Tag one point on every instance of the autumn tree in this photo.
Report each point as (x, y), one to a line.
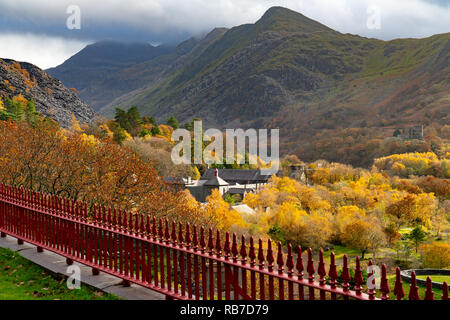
(157, 152)
(362, 236)
(218, 211)
(412, 209)
(289, 223)
(419, 164)
(45, 158)
(440, 187)
(318, 232)
(344, 216)
(391, 232)
(195, 173)
(436, 255)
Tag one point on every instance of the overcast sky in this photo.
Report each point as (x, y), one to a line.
(36, 31)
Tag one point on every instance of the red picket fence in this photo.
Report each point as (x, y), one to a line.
(178, 261)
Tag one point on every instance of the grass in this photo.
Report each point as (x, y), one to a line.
(435, 278)
(437, 292)
(21, 279)
(339, 252)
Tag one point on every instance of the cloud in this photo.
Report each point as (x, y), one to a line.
(398, 19)
(444, 3)
(159, 20)
(163, 21)
(41, 50)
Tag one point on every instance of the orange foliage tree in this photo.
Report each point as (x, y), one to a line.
(45, 158)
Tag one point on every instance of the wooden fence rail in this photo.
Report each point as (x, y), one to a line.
(182, 261)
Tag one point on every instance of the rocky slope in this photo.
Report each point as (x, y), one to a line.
(51, 97)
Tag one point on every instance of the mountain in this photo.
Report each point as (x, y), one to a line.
(286, 64)
(96, 63)
(51, 97)
(290, 72)
(247, 72)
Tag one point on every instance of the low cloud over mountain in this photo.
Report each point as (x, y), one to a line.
(171, 21)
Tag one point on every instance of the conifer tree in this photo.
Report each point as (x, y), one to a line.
(31, 114)
(15, 108)
(173, 122)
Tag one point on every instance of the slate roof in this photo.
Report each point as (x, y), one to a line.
(237, 175)
(216, 182)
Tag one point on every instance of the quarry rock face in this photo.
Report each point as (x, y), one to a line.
(51, 97)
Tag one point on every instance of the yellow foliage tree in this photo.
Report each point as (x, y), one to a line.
(416, 163)
(252, 200)
(104, 127)
(218, 210)
(412, 209)
(436, 255)
(89, 139)
(289, 217)
(75, 127)
(350, 196)
(196, 173)
(284, 184)
(21, 99)
(344, 216)
(166, 131)
(362, 236)
(318, 231)
(128, 136)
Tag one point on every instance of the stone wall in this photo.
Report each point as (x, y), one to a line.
(406, 275)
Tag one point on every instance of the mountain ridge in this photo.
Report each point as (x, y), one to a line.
(99, 61)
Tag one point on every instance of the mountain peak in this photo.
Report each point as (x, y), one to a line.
(280, 10)
(284, 19)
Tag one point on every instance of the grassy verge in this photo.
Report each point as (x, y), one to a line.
(21, 279)
(435, 278)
